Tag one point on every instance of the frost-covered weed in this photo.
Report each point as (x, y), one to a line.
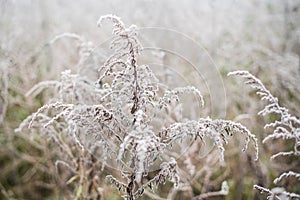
(122, 121)
(287, 127)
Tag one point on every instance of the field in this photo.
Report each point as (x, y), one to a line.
(149, 99)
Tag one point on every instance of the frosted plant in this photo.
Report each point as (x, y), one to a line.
(123, 121)
(224, 191)
(57, 120)
(287, 127)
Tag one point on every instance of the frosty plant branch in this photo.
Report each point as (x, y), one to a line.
(122, 120)
(287, 127)
(132, 46)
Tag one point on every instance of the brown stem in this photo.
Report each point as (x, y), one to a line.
(136, 84)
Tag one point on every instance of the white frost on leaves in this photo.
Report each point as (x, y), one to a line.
(285, 128)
